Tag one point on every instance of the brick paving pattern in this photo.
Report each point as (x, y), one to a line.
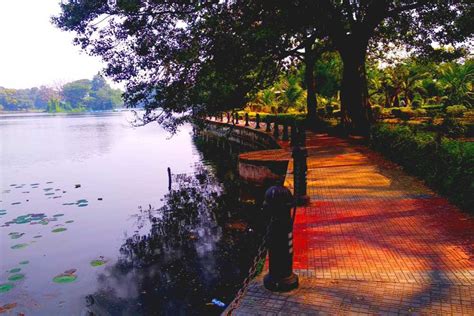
(372, 241)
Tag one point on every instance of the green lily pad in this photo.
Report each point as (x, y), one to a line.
(19, 246)
(51, 193)
(98, 262)
(58, 215)
(37, 236)
(69, 222)
(16, 235)
(24, 262)
(65, 278)
(15, 270)
(5, 287)
(58, 230)
(16, 203)
(69, 203)
(47, 189)
(82, 205)
(16, 277)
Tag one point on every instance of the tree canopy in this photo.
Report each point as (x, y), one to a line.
(205, 57)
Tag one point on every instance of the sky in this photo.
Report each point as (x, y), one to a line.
(33, 52)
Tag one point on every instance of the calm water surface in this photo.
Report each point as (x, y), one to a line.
(88, 226)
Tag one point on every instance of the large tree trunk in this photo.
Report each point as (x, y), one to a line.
(311, 101)
(355, 109)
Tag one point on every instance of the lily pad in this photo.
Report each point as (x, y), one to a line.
(19, 246)
(65, 278)
(16, 277)
(58, 230)
(16, 235)
(98, 262)
(82, 201)
(16, 203)
(47, 189)
(69, 222)
(24, 262)
(15, 270)
(58, 215)
(50, 193)
(37, 236)
(69, 203)
(6, 287)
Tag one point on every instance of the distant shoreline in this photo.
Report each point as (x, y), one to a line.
(45, 112)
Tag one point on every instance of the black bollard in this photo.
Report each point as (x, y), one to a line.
(276, 130)
(257, 121)
(300, 167)
(278, 204)
(285, 132)
(247, 119)
(268, 127)
(228, 117)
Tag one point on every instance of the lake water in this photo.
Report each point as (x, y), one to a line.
(88, 226)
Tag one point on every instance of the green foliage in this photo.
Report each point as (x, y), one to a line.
(447, 167)
(76, 96)
(456, 110)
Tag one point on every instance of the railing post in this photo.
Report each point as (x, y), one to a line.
(293, 135)
(236, 118)
(276, 130)
(278, 204)
(268, 127)
(228, 117)
(300, 167)
(247, 119)
(285, 132)
(257, 121)
(222, 117)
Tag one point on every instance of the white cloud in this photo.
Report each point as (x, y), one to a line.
(34, 52)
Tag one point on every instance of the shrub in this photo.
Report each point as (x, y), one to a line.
(456, 110)
(420, 112)
(403, 113)
(447, 167)
(377, 111)
(452, 127)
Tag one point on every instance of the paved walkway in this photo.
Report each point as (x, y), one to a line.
(372, 241)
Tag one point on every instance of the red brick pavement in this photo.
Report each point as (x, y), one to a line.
(372, 241)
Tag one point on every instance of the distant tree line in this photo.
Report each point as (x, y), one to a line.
(77, 96)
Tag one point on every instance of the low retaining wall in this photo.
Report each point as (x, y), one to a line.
(265, 163)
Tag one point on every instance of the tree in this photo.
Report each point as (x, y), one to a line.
(210, 56)
(75, 92)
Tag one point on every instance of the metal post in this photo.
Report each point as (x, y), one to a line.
(300, 167)
(278, 203)
(293, 135)
(285, 132)
(257, 121)
(276, 130)
(268, 127)
(247, 119)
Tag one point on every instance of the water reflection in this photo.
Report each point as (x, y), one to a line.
(199, 246)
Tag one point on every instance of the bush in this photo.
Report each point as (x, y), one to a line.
(377, 111)
(452, 127)
(403, 113)
(456, 110)
(420, 112)
(447, 167)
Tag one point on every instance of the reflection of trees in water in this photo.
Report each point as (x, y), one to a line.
(193, 253)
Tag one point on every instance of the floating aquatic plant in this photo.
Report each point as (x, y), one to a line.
(99, 262)
(19, 246)
(37, 236)
(5, 287)
(16, 277)
(82, 205)
(69, 203)
(16, 203)
(67, 276)
(15, 270)
(69, 222)
(24, 262)
(47, 189)
(58, 215)
(16, 235)
(58, 230)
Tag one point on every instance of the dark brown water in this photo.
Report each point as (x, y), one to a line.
(89, 227)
